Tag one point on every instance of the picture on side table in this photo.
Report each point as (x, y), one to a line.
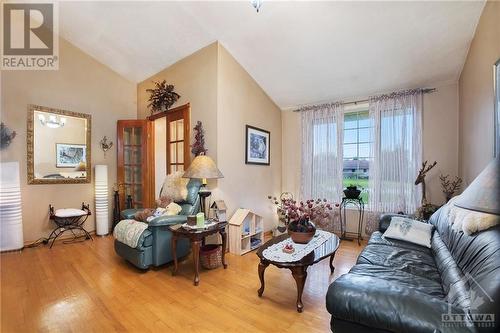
(258, 146)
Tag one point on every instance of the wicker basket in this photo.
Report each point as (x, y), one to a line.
(211, 256)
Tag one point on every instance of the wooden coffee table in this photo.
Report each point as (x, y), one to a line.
(298, 268)
(196, 236)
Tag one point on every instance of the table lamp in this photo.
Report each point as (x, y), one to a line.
(203, 167)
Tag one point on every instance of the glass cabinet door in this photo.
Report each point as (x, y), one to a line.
(178, 133)
(133, 164)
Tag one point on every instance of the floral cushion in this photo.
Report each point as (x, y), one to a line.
(408, 230)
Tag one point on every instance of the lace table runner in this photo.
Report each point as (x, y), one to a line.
(194, 227)
(275, 252)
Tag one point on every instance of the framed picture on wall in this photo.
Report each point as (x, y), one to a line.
(69, 155)
(496, 83)
(258, 146)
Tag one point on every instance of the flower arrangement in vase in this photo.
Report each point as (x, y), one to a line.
(298, 216)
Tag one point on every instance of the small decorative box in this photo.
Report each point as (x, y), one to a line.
(191, 220)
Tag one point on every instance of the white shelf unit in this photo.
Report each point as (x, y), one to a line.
(245, 228)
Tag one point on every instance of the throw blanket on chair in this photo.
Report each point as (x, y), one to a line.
(129, 231)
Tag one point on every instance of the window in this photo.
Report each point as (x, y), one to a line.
(357, 145)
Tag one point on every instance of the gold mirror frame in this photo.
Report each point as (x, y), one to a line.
(30, 146)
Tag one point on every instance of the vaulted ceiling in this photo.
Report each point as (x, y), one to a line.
(299, 52)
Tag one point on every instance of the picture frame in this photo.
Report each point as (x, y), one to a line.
(257, 146)
(496, 87)
(70, 155)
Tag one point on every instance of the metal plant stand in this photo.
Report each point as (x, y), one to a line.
(360, 205)
(70, 223)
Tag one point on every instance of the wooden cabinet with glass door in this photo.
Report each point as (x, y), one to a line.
(136, 162)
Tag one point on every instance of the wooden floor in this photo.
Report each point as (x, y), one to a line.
(87, 287)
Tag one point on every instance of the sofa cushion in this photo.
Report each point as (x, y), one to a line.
(420, 263)
(191, 195)
(409, 230)
(387, 305)
(377, 238)
(422, 284)
(477, 259)
(175, 187)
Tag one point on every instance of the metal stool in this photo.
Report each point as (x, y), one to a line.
(69, 223)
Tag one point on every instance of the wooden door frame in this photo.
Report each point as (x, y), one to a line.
(186, 115)
(147, 163)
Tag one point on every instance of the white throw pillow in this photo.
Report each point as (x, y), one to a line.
(175, 187)
(408, 230)
(69, 212)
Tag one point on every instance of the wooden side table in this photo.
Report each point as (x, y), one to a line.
(196, 237)
(298, 268)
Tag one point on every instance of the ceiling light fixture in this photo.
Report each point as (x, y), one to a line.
(256, 4)
(52, 122)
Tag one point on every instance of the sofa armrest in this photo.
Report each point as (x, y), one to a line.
(385, 220)
(167, 220)
(129, 214)
(387, 306)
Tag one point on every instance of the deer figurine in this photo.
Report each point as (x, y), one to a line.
(421, 178)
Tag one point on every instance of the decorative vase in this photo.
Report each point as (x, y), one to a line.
(301, 231)
(352, 192)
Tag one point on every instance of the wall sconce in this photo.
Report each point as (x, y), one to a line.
(105, 145)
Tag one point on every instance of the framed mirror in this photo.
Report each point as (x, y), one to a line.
(58, 146)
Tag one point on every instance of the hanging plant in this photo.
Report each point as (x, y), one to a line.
(198, 147)
(6, 136)
(162, 97)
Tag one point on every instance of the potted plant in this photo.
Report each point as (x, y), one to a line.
(162, 97)
(352, 192)
(299, 216)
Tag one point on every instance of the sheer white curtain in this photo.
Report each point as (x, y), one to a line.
(322, 139)
(396, 152)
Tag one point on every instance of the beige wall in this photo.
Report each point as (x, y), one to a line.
(476, 94)
(242, 102)
(83, 85)
(225, 98)
(195, 79)
(440, 137)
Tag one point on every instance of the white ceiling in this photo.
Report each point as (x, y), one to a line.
(299, 52)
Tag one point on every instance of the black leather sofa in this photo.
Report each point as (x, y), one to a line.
(397, 286)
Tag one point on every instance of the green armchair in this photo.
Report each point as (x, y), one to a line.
(154, 247)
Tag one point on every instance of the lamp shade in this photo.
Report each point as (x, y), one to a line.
(101, 200)
(203, 167)
(11, 220)
(483, 194)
